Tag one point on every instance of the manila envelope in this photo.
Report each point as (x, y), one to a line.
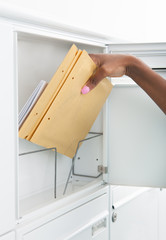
(71, 114)
(49, 94)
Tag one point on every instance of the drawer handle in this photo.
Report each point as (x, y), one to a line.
(99, 226)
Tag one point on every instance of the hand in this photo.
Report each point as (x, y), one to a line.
(117, 65)
(108, 65)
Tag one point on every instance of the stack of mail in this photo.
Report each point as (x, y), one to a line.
(31, 102)
(63, 116)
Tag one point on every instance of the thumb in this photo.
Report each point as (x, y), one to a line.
(94, 80)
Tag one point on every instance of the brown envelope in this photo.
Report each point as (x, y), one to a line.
(71, 114)
(41, 107)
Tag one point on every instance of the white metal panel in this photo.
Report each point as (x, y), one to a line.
(136, 126)
(9, 236)
(59, 208)
(162, 214)
(86, 234)
(137, 139)
(153, 54)
(124, 194)
(7, 140)
(97, 231)
(136, 219)
(68, 224)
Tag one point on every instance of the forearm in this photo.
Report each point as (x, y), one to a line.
(152, 83)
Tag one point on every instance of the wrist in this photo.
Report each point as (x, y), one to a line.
(132, 66)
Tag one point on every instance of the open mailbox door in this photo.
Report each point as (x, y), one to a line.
(136, 127)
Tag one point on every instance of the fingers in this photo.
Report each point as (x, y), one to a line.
(94, 80)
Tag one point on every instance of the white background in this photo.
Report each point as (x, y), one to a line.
(130, 20)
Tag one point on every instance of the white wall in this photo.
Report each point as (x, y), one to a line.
(137, 21)
(142, 20)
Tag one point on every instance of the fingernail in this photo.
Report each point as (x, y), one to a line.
(85, 90)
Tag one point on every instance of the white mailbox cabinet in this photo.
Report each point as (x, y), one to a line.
(130, 151)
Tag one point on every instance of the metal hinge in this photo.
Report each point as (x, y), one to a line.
(102, 169)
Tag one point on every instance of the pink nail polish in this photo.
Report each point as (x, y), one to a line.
(85, 89)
